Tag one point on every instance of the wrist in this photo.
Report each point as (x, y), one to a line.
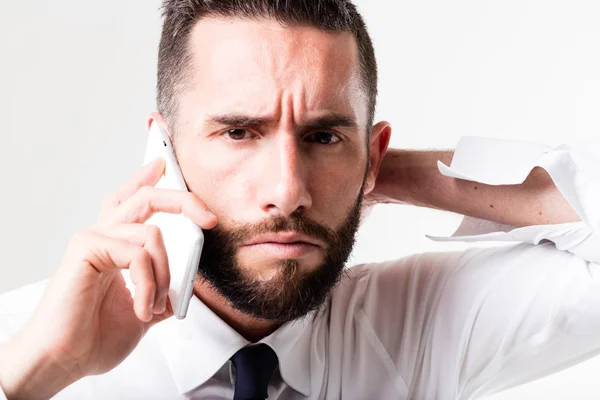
(412, 177)
(29, 374)
(400, 178)
(390, 186)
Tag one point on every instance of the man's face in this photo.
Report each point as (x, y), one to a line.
(272, 137)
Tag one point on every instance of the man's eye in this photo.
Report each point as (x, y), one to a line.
(324, 138)
(236, 134)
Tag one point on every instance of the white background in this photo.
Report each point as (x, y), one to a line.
(77, 81)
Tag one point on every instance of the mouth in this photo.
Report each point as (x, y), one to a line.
(284, 245)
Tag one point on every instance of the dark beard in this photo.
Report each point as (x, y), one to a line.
(292, 294)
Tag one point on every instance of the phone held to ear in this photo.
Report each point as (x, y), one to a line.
(182, 237)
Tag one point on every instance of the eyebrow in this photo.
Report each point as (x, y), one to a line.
(331, 120)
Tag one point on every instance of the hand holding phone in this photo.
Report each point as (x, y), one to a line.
(182, 237)
(87, 307)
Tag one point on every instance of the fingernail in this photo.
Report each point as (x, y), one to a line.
(150, 312)
(161, 306)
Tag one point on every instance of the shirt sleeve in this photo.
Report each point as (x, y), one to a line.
(575, 170)
(468, 324)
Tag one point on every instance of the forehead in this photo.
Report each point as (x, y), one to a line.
(257, 66)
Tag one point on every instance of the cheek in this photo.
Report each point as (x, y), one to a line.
(216, 182)
(335, 189)
(228, 182)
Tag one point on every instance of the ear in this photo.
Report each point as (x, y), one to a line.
(158, 118)
(380, 139)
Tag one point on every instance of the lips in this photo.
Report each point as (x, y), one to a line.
(290, 250)
(283, 238)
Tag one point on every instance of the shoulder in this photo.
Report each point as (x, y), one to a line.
(394, 295)
(382, 308)
(17, 306)
(379, 281)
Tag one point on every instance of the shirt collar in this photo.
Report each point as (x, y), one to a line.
(291, 343)
(196, 347)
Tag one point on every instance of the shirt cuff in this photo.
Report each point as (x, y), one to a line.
(2, 395)
(574, 168)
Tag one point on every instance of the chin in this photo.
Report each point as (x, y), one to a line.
(268, 270)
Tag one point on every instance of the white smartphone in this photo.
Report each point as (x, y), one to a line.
(182, 237)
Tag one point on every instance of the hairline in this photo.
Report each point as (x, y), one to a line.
(186, 72)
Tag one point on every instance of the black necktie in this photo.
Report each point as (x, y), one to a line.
(254, 366)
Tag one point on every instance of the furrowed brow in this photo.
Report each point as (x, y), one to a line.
(329, 122)
(325, 122)
(239, 120)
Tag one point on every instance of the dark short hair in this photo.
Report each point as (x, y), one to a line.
(180, 16)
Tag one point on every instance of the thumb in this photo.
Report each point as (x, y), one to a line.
(157, 318)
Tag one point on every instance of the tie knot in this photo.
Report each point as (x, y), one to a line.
(254, 366)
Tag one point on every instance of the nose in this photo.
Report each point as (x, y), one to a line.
(284, 188)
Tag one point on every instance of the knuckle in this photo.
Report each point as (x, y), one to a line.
(155, 234)
(81, 237)
(144, 256)
(110, 202)
(84, 246)
(143, 201)
(144, 210)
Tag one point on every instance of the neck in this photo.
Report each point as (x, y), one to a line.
(252, 329)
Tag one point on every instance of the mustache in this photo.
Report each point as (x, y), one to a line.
(295, 222)
(293, 293)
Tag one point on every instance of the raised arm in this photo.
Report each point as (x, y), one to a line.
(477, 322)
(412, 176)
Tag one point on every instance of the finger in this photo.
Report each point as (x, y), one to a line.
(148, 175)
(105, 254)
(151, 239)
(150, 200)
(142, 275)
(168, 313)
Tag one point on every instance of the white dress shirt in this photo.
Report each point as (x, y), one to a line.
(456, 325)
